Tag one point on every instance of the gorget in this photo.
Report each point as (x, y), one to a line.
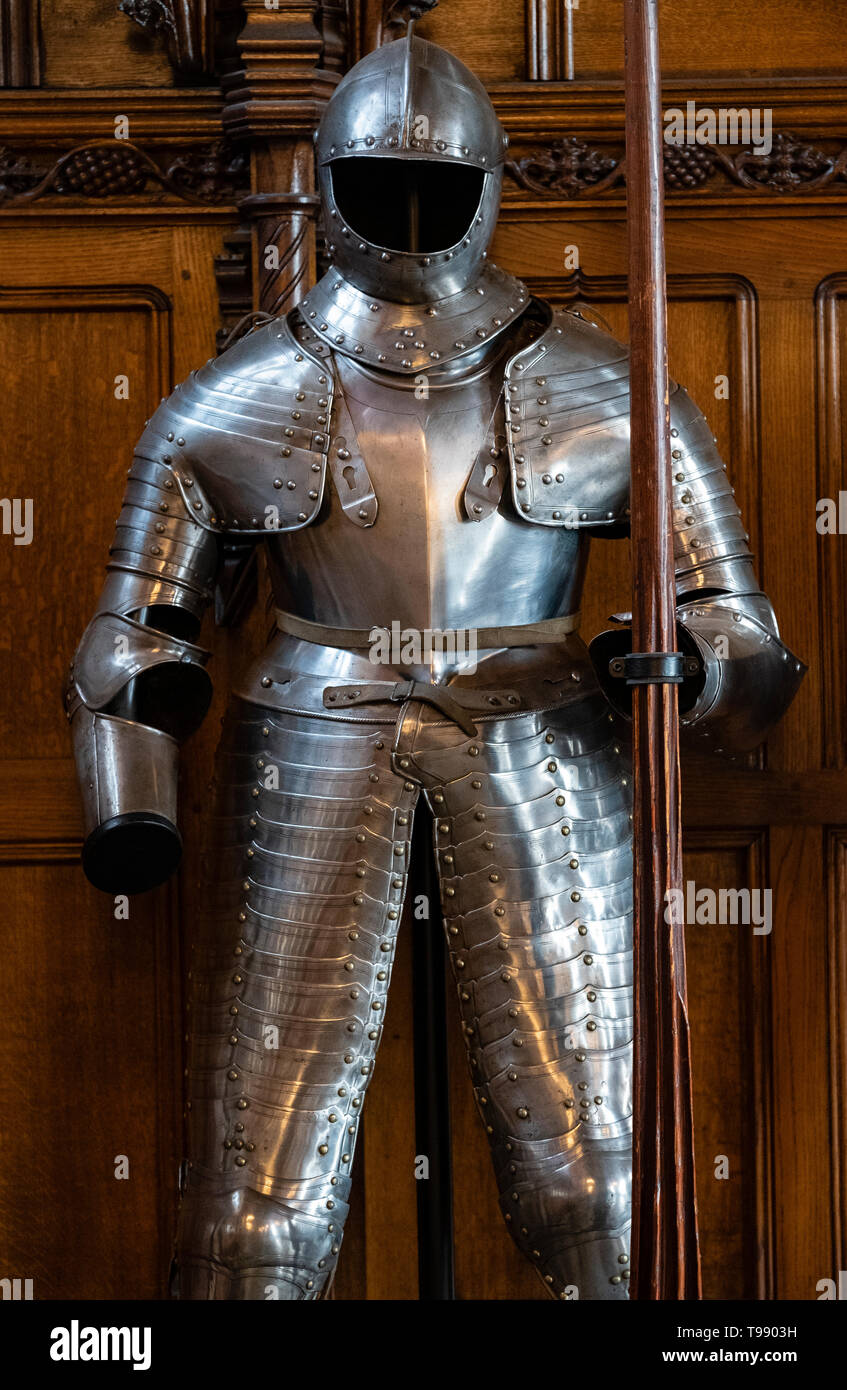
(409, 338)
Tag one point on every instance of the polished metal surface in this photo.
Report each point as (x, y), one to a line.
(567, 426)
(409, 338)
(751, 677)
(412, 103)
(244, 440)
(114, 649)
(124, 768)
(422, 564)
(533, 845)
(313, 821)
(290, 983)
(420, 444)
(138, 684)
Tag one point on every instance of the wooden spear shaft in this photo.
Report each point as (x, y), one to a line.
(665, 1256)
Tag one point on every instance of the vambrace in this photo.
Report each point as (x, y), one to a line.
(740, 677)
(138, 685)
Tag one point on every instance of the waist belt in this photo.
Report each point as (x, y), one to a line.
(457, 703)
(549, 630)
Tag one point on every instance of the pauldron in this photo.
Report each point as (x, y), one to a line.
(246, 437)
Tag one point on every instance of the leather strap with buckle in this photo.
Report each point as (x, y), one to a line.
(455, 704)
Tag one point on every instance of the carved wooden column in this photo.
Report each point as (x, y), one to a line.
(284, 240)
(289, 65)
(20, 43)
(549, 40)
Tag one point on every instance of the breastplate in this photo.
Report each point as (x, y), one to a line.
(423, 563)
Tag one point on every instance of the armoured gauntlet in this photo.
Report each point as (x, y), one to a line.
(138, 684)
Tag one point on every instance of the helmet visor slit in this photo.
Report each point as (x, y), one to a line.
(407, 205)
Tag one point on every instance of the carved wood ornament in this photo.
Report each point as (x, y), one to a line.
(570, 168)
(197, 33)
(118, 168)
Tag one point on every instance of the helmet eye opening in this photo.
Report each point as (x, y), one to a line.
(407, 205)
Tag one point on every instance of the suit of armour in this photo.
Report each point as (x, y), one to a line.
(423, 448)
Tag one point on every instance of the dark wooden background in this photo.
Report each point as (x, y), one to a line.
(126, 262)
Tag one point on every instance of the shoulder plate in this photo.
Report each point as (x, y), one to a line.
(567, 426)
(247, 436)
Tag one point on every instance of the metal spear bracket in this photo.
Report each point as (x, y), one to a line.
(653, 668)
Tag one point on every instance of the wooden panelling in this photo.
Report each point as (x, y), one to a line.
(89, 1071)
(65, 350)
(20, 43)
(92, 1052)
(836, 868)
(780, 37)
(800, 1063)
(89, 43)
(495, 40)
(118, 284)
(728, 993)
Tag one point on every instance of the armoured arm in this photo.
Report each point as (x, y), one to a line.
(137, 683)
(238, 450)
(741, 677)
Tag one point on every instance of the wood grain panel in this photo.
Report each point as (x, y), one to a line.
(89, 1071)
(837, 990)
(775, 38)
(64, 444)
(800, 1063)
(491, 39)
(728, 985)
(89, 43)
(95, 1004)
